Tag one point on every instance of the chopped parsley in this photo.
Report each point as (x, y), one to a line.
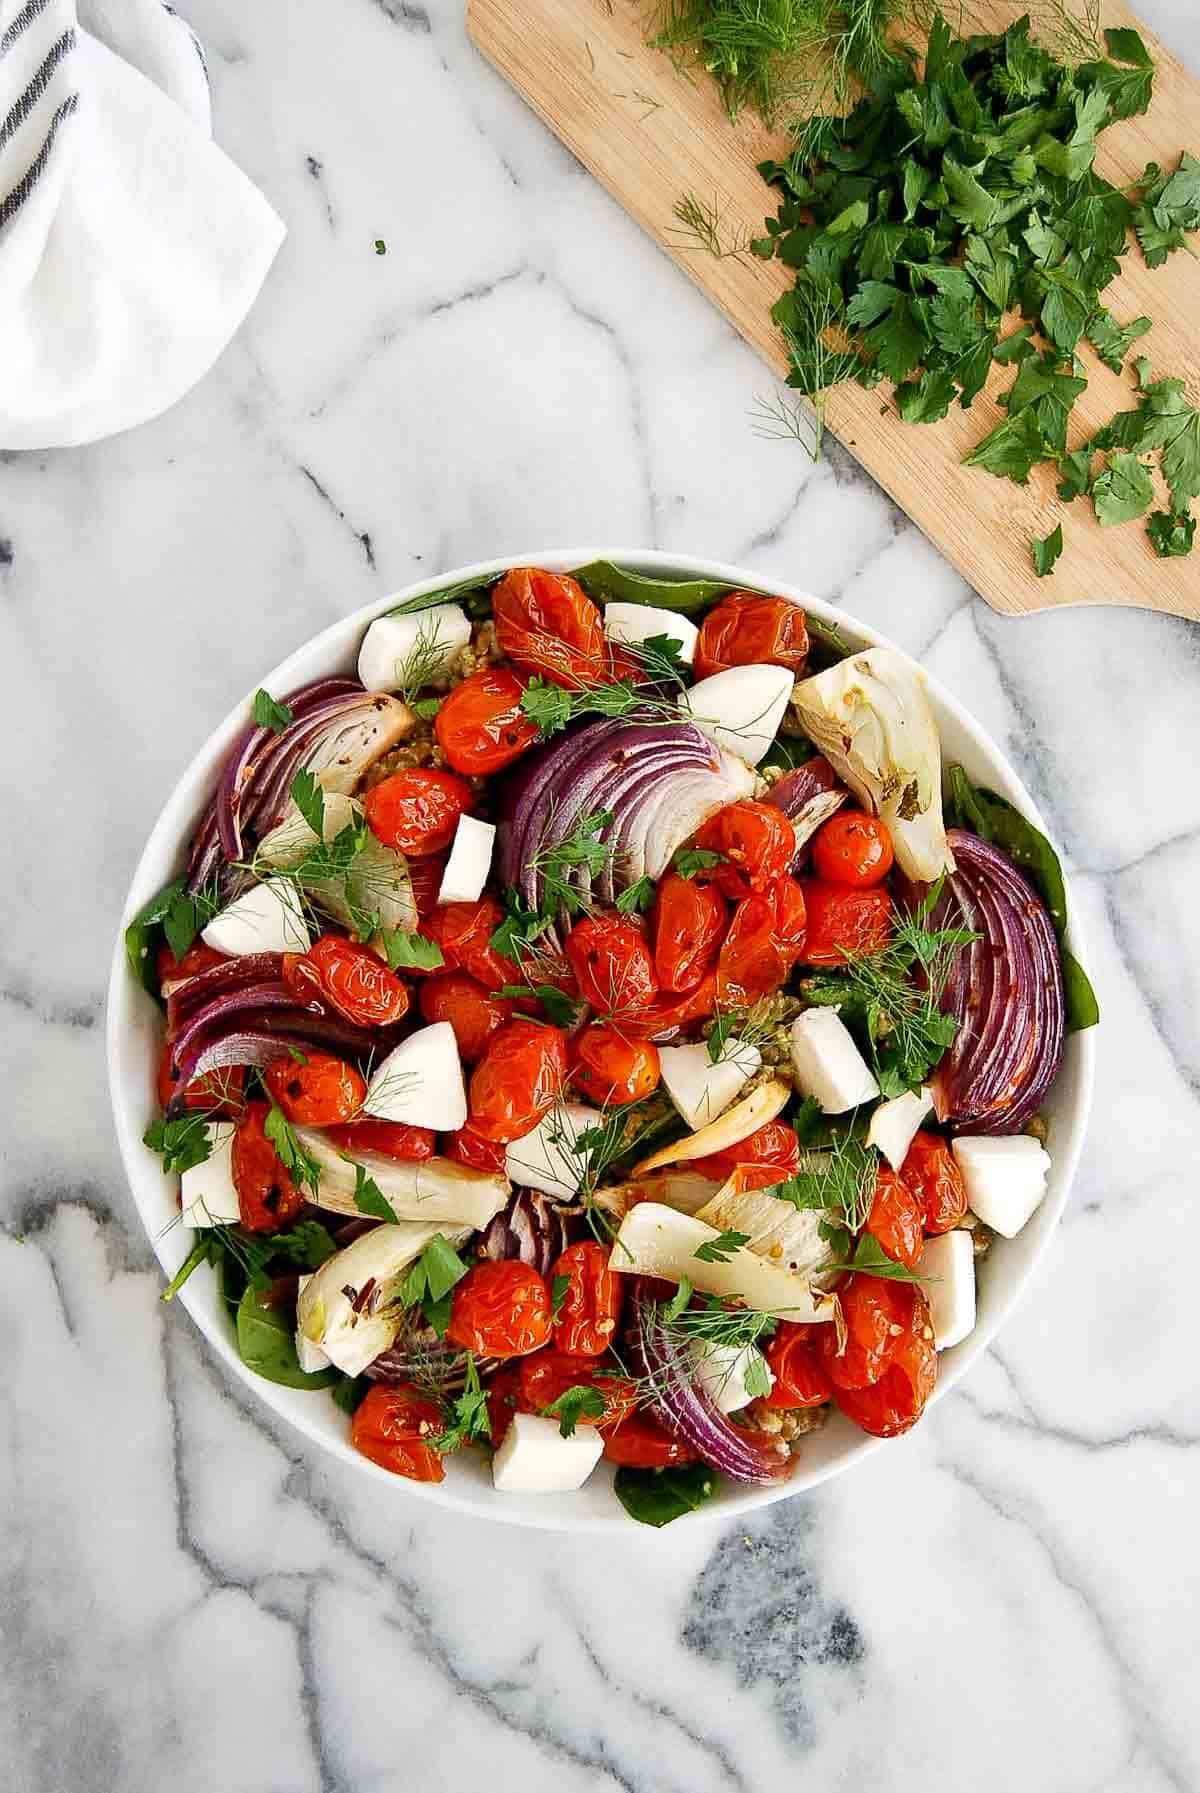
(182, 1143)
(370, 1199)
(410, 951)
(269, 713)
(690, 860)
(300, 1164)
(575, 1403)
(722, 1248)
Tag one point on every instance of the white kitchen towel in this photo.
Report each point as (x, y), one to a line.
(131, 248)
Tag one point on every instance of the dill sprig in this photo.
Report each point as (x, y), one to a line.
(703, 226)
(895, 996)
(557, 863)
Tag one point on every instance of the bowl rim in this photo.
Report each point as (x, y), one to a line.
(165, 839)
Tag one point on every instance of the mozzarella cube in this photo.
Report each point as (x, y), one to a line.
(397, 648)
(632, 623)
(946, 1271)
(421, 1082)
(1005, 1178)
(548, 1159)
(721, 1371)
(828, 1064)
(469, 863)
(533, 1457)
(311, 1356)
(741, 708)
(207, 1193)
(895, 1123)
(701, 1090)
(267, 918)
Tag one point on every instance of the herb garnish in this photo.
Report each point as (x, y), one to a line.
(410, 950)
(722, 1248)
(430, 1280)
(690, 860)
(575, 1403)
(637, 897)
(183, 1143)
(370, 1199)
(269, 713)
(469, 1419)
(300, 1164)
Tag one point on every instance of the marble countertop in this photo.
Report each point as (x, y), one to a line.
(189, 1597)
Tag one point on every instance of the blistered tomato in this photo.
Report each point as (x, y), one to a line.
(897, 1400)
(686, 927)
(546, 1377)
(464, 933)
(320, 1091)
(221, 1092)
(471, 1149)
(475, 1016)
(390, 1139)
(481, 726)
(417, 811)
(878, 1313)
(547, 624)
(585, 1322)
(852, 848)
(393, 1425)
(642, 1442)
(350, 978)
(895, 1219)
(757, 845)
(746, 629)
(196, 959)
(769, 1155)
(267, 1197)
(612, 964)
(609, 1067)
(500, 1310)
(517, 1081)
(931, 1171)
(844, 924)
(800, 1378)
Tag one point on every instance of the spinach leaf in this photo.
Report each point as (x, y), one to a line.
(995, 820)
(474, 594)
(604, 582)
(350, 1392)
(656, 1496)
(142, 934)
(266, 1344)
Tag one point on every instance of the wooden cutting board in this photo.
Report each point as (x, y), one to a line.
(651, 133)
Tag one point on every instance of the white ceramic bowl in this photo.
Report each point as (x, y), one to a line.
(134, 1034)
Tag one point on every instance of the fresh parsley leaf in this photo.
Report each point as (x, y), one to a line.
(520, 929)
(182, 1143)
(637, 897)
(547, 704)
(679, 1300)
(558, 1294)
(1047, 550)
(1122, 491)
(756, 1376)
(1169, 209)
(1076, 471)
(1171, 533)
(1112, 341)
(299, 1163)
(722, 1029)
(309, 798)
(1012, 449)
(307, 1244)
(690, 860)
(269, 713)
(722, 1248)
(410, 951)
(425, 707)
(469, 1418)
(870, 1259)
(575, 1403)
(660, 659)
(432, 1276)
(370, 1199)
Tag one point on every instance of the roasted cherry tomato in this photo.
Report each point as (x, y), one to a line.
(877, 1313)
(668, 1013)
(852, 848)
(769, 1155)
(686, 927)
(895, 1219)
(464, 933)
(196, 959)
(393, 1425)
(426, 875)
(757, 844)
(547, 624)
(500, 1310)
(350, 978)
(642, 1442)
(610, 1067)
(475, 1016)
(612, 964)
(587, 1315)
(417, 811)
(321, 1092)
(267, 1197)
(471, 1149)
(517, 1081)
(800, 1378)
(931, 1172)
(390, 1139)
(220, 1092)
(481, 726)
(765, 938)
(543, 1379)
(745, 629)
(896, 1402)
(844, 924)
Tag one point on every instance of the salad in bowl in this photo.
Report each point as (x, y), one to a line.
(607, 1037)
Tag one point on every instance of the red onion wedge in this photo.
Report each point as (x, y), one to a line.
(808, 796)
(1006, 992)
(664, 1360)
(659, 780)
(532, 1228)
(260, 1035)
(337, 731)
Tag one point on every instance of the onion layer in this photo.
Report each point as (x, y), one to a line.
(1005, 991)
(683, 1406)
(808, 796)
